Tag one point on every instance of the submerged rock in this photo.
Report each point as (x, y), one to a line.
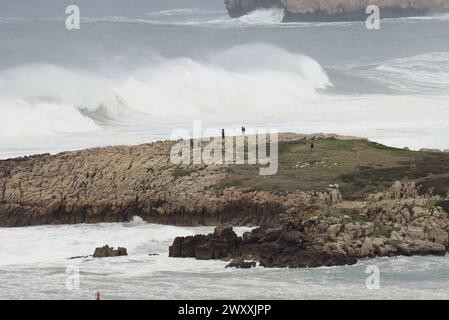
(106, 251)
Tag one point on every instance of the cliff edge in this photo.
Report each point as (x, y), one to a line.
(338, 10)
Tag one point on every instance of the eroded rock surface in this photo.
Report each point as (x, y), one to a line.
(399, 221)
(107, 251)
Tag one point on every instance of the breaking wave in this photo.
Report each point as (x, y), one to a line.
(44, 99)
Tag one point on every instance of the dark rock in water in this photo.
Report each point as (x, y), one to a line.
(241, 263)
(106, 251)
(289, 246)
(77, 257)
(276, 247)
(218, 245)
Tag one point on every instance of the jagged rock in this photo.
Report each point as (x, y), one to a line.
(106, 251)
(218, 245)
(334, 194)
(402, 190)
(241, 264)
(367, 249)
(424, 248)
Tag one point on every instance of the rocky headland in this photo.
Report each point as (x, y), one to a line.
(345, 199)
(399, 221)
(338, 10)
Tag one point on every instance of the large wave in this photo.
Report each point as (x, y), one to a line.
(244, 80)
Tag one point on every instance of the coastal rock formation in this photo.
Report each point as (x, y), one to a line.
(354, 200)
(107, 251)
(399, 221)
(338, 10)
(114, 184)
(221, 244)
(320, 240)
(279, 247)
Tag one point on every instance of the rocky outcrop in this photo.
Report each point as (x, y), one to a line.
(114, 184)
(314, 242)
(278, 247)
(107, 251)
(339, 10)
(400, 221)
(221, 244)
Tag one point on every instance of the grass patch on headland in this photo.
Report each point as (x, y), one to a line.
(360, 167)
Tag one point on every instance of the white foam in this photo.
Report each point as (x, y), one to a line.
(44, 99)
(263, 17)
(422, 74)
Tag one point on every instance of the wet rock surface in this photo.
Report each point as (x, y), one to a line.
(107, 251)
(400, 221)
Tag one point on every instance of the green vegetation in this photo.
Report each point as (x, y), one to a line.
(360, 167)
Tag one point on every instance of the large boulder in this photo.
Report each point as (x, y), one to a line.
(218, 245)
(107, 251)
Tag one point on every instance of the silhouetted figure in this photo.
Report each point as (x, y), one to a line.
(243, 130)
(222, 133)
(98, 296)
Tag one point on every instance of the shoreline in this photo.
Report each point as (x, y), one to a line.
(345, 199)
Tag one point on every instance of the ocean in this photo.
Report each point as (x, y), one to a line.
(136, 70)
(34, 264)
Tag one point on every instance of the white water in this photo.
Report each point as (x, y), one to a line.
(46, 99)
(33, 265)
(234, 86)
(133, 73)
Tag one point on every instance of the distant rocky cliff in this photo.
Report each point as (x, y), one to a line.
(338, 10)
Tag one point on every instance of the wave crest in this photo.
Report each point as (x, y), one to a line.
(244, 80)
